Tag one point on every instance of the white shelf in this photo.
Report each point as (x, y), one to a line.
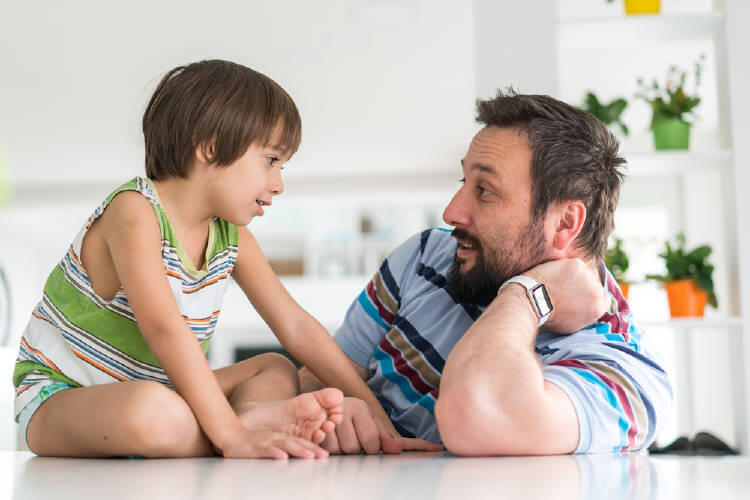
(628, 31)
(660, 163)
(730, 322)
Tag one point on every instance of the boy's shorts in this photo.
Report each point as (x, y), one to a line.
(32, 406)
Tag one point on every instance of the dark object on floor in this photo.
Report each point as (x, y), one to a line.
(680, 446)
(703, 444)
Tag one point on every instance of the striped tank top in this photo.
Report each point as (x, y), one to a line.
(77, 337)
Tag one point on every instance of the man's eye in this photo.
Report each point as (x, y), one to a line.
(483, 191)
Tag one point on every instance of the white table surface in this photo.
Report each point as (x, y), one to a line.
(408, 476)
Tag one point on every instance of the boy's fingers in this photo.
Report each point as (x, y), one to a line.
(415, 444)
(273, 452)
(302, 448)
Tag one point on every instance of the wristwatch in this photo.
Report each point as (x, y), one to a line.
(537, 294)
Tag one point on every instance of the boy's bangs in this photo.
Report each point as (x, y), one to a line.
(286, 133)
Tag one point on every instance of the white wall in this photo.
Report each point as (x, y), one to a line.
(380, 84)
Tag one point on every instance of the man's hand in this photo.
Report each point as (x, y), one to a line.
(362, 431)
(578, 298)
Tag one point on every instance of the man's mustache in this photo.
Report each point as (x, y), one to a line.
(462, 234)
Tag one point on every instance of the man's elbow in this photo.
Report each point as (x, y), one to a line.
(470, 425)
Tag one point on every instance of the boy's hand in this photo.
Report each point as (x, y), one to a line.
(244, 443)
(361, 431)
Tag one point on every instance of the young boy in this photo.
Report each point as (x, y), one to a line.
(127, 315)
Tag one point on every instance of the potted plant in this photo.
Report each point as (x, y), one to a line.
(608, 113)
(671, 105)
(617, 262)
(689, 278)
(641, 6)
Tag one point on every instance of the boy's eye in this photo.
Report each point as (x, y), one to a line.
(272, 159)
(462, 180)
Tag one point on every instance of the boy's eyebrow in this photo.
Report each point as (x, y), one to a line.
(278, 148)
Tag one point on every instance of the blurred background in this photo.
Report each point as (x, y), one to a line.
(386, 91)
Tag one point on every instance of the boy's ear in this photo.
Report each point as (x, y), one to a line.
(205, 152)
(569, 217)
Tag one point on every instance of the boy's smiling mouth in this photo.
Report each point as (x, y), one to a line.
(261, 204)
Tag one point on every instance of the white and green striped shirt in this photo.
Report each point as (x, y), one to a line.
(77, 337)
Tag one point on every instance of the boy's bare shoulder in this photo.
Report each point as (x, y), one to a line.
(129, 209)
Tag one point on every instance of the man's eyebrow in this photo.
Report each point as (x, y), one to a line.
(482, 168)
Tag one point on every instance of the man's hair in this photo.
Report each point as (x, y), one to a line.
(216, 104)
(574, 157)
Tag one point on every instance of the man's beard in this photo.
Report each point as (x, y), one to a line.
(479, 284)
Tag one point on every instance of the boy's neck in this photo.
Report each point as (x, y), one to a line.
(183, 201)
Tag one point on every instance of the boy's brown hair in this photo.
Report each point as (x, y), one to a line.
(221, 107)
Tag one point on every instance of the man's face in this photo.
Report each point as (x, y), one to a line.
(491, 212)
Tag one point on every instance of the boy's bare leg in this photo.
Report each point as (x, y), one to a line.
(148, 419)
(263, 391)
(125, 418)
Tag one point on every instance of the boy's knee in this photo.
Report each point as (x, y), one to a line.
(160, 421)
(274, 362)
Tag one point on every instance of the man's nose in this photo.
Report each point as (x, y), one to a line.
(456, 213)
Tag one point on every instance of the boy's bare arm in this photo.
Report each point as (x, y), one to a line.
(301, 334)
(132, 236)
(309, 382)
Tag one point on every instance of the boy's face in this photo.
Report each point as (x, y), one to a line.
(241, 191)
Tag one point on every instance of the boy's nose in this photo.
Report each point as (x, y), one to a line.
(276, 186)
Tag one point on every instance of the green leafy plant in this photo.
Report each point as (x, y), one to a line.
(693, 264)
(607, 113)
(617, 261)
(672, 101)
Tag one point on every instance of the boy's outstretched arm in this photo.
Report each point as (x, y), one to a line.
(301, 334)
(132, 236)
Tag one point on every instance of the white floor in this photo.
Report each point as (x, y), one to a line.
(410, 476)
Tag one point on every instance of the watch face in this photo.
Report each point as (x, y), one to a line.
(541, 299)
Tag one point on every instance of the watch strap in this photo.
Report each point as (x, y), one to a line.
(536, 292)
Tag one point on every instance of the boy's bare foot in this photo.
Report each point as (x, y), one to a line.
(310, 416)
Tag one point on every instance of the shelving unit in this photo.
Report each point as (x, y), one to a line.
(675, 163)
(702, 215)
(639, 30)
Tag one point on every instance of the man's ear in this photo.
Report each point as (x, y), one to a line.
(569, 217)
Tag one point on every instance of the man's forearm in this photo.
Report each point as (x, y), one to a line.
(493, 397)
(494, 365)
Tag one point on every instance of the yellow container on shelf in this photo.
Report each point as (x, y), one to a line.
(642, 6)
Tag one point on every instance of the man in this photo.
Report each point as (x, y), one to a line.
(508, 335)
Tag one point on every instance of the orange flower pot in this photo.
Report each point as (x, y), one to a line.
(686, 299)
(642, 6)
(625, 287)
